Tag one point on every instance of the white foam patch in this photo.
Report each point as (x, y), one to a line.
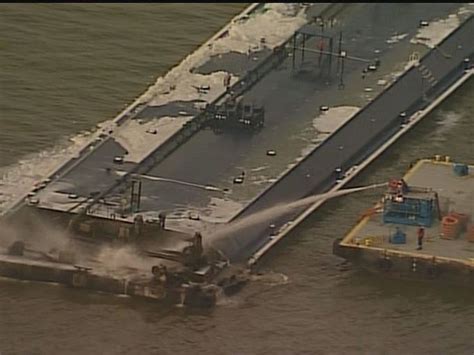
(51, 198)
(260, 168)
(329, 121)
(408, 65)
(326, 123)
(436, 31)
(186, 86)
(276, 24)
(133, 136)
(465, 10)
(220, 210)
(306, 150)
(259, 179)
(448, 120)
(396, 38)
(442, 29)
(185, 225)
(270, 278)
(395, 75)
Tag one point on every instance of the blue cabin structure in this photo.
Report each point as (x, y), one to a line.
(410, 205)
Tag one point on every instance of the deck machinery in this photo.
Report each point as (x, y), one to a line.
(409, 205)
(234, 113)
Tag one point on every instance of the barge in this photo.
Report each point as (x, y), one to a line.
(421, 229)
(211, 144)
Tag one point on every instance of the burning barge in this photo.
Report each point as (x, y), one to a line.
(187, 155)
(188, 278)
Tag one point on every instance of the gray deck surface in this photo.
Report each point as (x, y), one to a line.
(456, 194)
(313, 174)
(291, 102)
(210, 159)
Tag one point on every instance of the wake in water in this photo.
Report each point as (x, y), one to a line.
(274, 212)
(17, 179)
(270, 278)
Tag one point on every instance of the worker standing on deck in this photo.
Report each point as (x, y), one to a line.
(197, 244)
(162, 219)
(421, 235)
(227, 79)
(321, 50)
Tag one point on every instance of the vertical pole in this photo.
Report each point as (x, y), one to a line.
(136, 193)
(330, 56)
(320, 50)
(303, 46)
(321, 39)
(132, 195)
(339, 52)
(294, 50)
(341, 83)
(139, 194)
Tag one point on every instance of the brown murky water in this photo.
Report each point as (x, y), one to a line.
(65, 68)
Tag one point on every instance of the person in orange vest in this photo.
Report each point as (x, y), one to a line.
(421, 235)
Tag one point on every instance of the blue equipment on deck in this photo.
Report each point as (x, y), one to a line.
(461, 169)
(398, 237)
(409, 206)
